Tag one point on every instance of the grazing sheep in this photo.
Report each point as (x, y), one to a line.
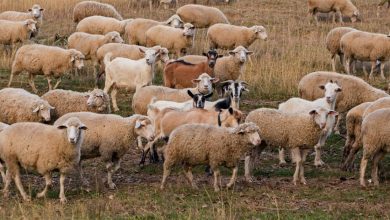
(110, 137)
(16, 31)
(35, 13)
(174, 39)
(123, 73)
(333, 43)
(43, 148)
(102, 25)
(18, 105)
(136, 30)
(66, 101)
(365, 46)
(235, 90)
(143, 96)
(298, 132)
(45, 60)
(201, 16)
(198, 101)
(209, 145)
(227, 36)
(375, 133)
(90, 8)
(340, 7)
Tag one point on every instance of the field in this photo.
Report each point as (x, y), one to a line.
(295, 47)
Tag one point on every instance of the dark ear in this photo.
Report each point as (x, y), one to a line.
(322, 87)
(42, 9)
(29, 10)
(333, 113)
(313, 112)
(208, 96)
(339, 89)
(204, 54)
(331, 81)
(141, 50)
(232, 53)
(190, 93)
(231, 110)
(61, 126)
(83, 127)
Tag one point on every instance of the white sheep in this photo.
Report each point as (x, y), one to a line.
(201, 16)
(90, 8)
(42, 148)
(196, 144)
(16, 31)
(174, 39)
(227, 36)
(102, 25)
(44, 60)
(340, 7)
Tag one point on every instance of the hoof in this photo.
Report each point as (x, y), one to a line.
(63, 201)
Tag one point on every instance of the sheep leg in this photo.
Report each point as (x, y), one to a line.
(19, 185)
(31, 82)
(84, 182)
(340, 17)
(62, 188)
(189, 176)
(111, 168)
(374, 170)
(282, 160)
(7, 183)
(301, 169)
(114, 92)
(337, 125)
(248, 169)
(233, 178)
(317, 160)
(216, 179)
(47, 185)
(363, 166)
(348, 164)
(167, 171)
(341, 56)
(11, 77)
(373, 65)
(333, 58)
(296, 155)
(2, 172)
(57, 83)
(382, 67)
(347, 65)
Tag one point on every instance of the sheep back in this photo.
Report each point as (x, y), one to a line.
(90, 8)
(201, 16)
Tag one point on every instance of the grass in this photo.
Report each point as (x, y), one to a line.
(294, 48)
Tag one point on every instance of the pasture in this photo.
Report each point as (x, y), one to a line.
(295, 47)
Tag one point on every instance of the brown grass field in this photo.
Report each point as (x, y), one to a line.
(294, 48)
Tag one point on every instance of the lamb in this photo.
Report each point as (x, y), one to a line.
(341, 7)
(35, 13)
(201, 16)
(375, 132)
(43, 148)
(110, 137)
(18, 105)
(90, 8)
(198, 101)
(45, 60)
(174, 39)
(16, 31)
(66, 101)
(102, 25)
(136, 30)
(365, 46)
(143, 96)
(298, 132)
(123, 73)
(209, 145)
(227, 36)
(333, 43)
(88, 44)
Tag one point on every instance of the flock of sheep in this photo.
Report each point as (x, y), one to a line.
(61, 128)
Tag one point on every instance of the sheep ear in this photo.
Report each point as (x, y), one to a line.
(334, 113)
(190, 93)
(42, 9)
(322, 87)
(195, 81)
(138, 124)
(52, 108)
(83, 127)
(249, 52)
(232, 53)
(36, 109)
(30, 10)
(339, 89)
(63, 126)
(313, 112)
(141, 50)
(214, 80)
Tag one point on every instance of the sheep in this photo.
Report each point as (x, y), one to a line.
(340, 7)
(375, 132)
(227, 36)
(102, 25)
(235, 90)
(90, 8)
(365, 46)
(298, 132)
(178, 74)
(143, 96)
(43, 148)
(110, 137)
(136, 30)
(66, 101)
(354, 120)
(16, 31)
(174, 39)
(198, 101)
(209, 145)
(45, 60)
(18, 105)
(333, 43)
(201, 16)
(123, 73)
(3, 126)
(88, 44)
(35, 13)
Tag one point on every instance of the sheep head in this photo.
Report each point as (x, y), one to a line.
(74, 128)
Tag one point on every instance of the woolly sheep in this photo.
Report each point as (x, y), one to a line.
(66, 101)
(333, 43)
(136, 30)
(209, 145)
(45, 60)
(18, 105)
(298, 132)
(174, 39)
(227, 36)
(43, 148)
(102, 25)
(110, 137)
(365, 46)
(340, 7)
(16, 31)
(375, 138)
(90, 8)
(201, 16)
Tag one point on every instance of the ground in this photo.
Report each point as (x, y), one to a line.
(295, 47)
